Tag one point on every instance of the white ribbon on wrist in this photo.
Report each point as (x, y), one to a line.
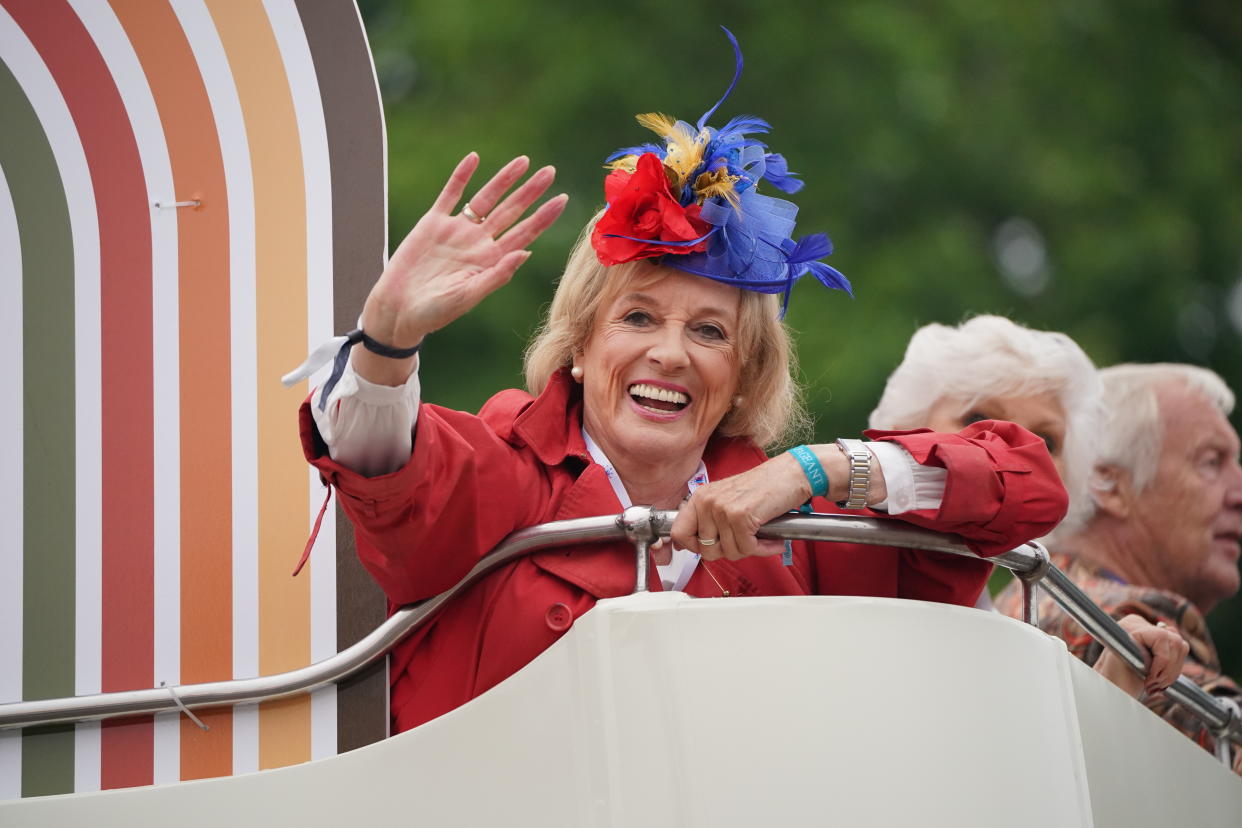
(318, 358)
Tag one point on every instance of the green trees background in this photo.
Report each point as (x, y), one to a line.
(1073, 164)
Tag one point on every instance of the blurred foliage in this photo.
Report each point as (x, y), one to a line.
(1073, 164)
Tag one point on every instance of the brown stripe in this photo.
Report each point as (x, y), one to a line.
(356, 148)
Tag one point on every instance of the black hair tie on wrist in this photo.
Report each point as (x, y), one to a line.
(342, 358)
(377, 347)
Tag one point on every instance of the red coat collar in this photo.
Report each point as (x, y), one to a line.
(551, 426)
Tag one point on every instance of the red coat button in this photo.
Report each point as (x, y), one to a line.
(558, 617)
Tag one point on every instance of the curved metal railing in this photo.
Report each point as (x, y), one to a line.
(641, 526)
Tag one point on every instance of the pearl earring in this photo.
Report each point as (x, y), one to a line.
(738, 400)
(576, 372)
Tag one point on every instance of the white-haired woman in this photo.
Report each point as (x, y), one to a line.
(990, 368)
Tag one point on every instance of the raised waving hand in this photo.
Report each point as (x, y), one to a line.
(452, 259)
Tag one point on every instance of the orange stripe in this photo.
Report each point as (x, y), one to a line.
(281, 303)
(205, 409)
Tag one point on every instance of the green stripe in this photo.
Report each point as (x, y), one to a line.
(48, 442)
(47, 760)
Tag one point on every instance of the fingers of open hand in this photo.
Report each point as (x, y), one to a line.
(456, 185)
(489, 195)
(530, 228)
(505, 213)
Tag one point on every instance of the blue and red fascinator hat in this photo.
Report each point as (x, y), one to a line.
(694, 201)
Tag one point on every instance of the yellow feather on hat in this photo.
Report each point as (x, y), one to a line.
(684, 148)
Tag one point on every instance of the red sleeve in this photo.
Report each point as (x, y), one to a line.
(421, 528)
(1001, 491)
(1002, 488)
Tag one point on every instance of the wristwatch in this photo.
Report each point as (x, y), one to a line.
(860, 473)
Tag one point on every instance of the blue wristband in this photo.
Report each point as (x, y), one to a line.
(814, 471)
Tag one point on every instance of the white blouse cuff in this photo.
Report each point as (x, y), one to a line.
(369, 428)
(910, 486)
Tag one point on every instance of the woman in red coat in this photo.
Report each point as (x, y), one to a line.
(661, 371)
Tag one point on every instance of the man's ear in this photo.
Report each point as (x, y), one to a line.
(1112, 491)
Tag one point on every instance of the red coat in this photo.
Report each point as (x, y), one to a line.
(474, 479)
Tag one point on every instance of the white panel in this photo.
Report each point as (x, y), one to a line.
(239, 184)
(1145, 774)
(313, 132)
(32, 75)
(113, 43)
(660, 710)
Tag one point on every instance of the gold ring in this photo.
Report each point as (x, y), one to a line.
(708, 541)
(472, 215)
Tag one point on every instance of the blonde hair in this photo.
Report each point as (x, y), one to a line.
(771, 408)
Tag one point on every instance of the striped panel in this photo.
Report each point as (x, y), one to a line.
(169, 499)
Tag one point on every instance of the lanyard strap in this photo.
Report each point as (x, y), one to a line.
(676, 573)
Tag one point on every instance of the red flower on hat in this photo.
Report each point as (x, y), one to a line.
(641, 206)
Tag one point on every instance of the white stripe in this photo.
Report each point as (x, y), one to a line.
(35, 79)
(217, 76)
(323, 722)
(166, 750)
(11, 550)
(245, 739)
(113, 43)
(313, 132)
(87, 740)
(11, 419)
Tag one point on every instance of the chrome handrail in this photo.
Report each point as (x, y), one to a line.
(641, 526)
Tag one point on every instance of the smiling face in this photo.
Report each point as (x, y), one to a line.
(1190, 513)
(1041, 414)
(660, 368)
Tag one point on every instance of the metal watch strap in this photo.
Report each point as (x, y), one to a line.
(860, 473)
